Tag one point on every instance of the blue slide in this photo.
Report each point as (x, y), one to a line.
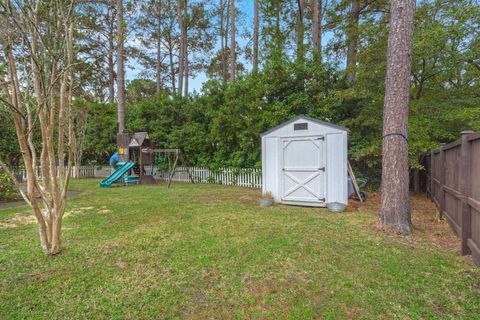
(117, 174)
(113, 160)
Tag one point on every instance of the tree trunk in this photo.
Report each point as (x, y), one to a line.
(395, 206)
(181, 57)
(256, 31)
(187, 70)
(225, 65)
(185, 47)
(300, 31)
(233, 46)
(352, 40)
(111, 51)
(78, 143)
(77, 162)
(316, 27)
(172, 66)
(120, 67)
(278, 33)
(111, 71)
(222, 36)
(159, 47)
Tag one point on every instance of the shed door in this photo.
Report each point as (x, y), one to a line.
(303, 172)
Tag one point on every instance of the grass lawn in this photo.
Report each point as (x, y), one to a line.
(206, 251)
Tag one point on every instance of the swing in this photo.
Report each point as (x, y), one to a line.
(164, 162)
(167, 160)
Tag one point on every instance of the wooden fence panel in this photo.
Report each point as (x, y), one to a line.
(452, 207)
(454, 175)
(474, 199)
(452, 165)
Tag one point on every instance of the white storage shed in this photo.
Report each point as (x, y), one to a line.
(304, 162)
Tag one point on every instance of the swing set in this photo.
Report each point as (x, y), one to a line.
(168, 160)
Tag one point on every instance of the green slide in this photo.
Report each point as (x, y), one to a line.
(117, 174)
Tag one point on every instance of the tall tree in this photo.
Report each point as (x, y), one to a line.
(225, 57)
(233, 46)
(96, 34)
(352, 39)
(120, 66)
(395, 207)
(300, 29)
(317, 26)
(185, 45)
(158, 62)
(181, 57)
(110, 31)
(256, 31)
(276, 26)
(174, 44)
(156, 28)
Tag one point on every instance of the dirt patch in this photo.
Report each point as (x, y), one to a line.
(77, 211)
(18, 220)
(429, 225)
(426, 222)
(17, 201)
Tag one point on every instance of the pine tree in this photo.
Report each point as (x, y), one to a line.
(395, 209)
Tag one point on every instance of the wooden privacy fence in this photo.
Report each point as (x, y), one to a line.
(454, 174)
(243, 177)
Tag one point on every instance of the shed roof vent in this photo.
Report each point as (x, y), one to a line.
(300, 126)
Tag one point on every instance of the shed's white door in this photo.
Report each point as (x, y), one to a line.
(303, 172)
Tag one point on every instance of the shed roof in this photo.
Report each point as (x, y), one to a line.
(304, 117)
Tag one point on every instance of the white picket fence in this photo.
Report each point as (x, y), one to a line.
(85, 172)
(244, 177)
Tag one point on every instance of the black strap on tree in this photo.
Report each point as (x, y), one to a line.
(396, 134)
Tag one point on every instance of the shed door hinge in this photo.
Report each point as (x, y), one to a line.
(321, 138)
(322, 169)
(321, 199)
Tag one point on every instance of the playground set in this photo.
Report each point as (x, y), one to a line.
(135, 153)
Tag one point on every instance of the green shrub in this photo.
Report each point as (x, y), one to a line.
(6, 185)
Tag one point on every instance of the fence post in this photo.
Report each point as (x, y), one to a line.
(441, 178)
(466, 190)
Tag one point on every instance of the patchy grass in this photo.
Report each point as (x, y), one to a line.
(205, 251)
